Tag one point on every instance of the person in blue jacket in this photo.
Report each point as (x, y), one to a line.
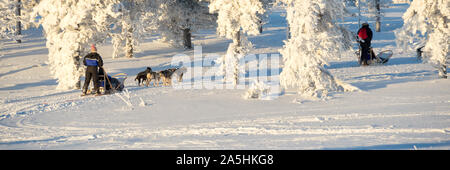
(93, 61)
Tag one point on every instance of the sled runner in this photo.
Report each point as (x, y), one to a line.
(383, 57)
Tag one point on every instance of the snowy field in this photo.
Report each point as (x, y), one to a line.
(401, 105)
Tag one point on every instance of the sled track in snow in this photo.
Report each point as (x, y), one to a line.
(272, 131)
(268, 130)
(31, 106)
(50, 102)
(296, 125)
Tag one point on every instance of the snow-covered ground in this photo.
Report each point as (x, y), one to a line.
(402, 104)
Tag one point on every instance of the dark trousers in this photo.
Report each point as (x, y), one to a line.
(91, 72)
(365, 51)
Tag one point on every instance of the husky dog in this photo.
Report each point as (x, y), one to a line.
(179, 72)
(142, 76)
(167, 75)
(153, 76)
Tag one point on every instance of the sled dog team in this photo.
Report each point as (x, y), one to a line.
(148, 75)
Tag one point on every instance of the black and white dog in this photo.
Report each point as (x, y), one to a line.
(142, 76)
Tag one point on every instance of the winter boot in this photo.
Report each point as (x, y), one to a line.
(84, 91)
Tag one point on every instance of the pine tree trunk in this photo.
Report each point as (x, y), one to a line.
(129, 43)
(77, 58)
(288, 32)
(442, 71)
(260, 27)
(237, 39)
(378, 17)
(187, 38)
(359, 13)
(18, 24)
(129, 30)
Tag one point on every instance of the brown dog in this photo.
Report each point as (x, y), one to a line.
(153, 76)
(166, 76)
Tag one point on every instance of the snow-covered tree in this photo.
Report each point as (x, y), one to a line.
(137, 17)
(8, 19)
(235, 18)
(315, 36)
(14, 16)
(373, 8)
(70, 27)
(430, 18)
(18, 23)
(131, 10)
(174, 20)
(178, 19)
(264, 18)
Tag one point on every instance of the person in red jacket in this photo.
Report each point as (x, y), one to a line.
(365, 38)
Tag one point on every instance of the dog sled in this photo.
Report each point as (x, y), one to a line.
(376, 59)
(113, 83)
(110, 84)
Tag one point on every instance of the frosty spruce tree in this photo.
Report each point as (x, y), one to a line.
(70, 26)
(131, 11)
(174, 20)
(10, 19)
(14, 15)
(7, 18)
(431, 19)
(372, 9)
(315, 36)
(235, 18)
(137, 19)
(178, 19)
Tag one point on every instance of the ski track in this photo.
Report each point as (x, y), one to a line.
(303, 128)
(52, 102)
(24, 107)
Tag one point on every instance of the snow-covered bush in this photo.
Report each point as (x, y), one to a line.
(257, 90)
(430, 18)
(315, 36)
(126, 98)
